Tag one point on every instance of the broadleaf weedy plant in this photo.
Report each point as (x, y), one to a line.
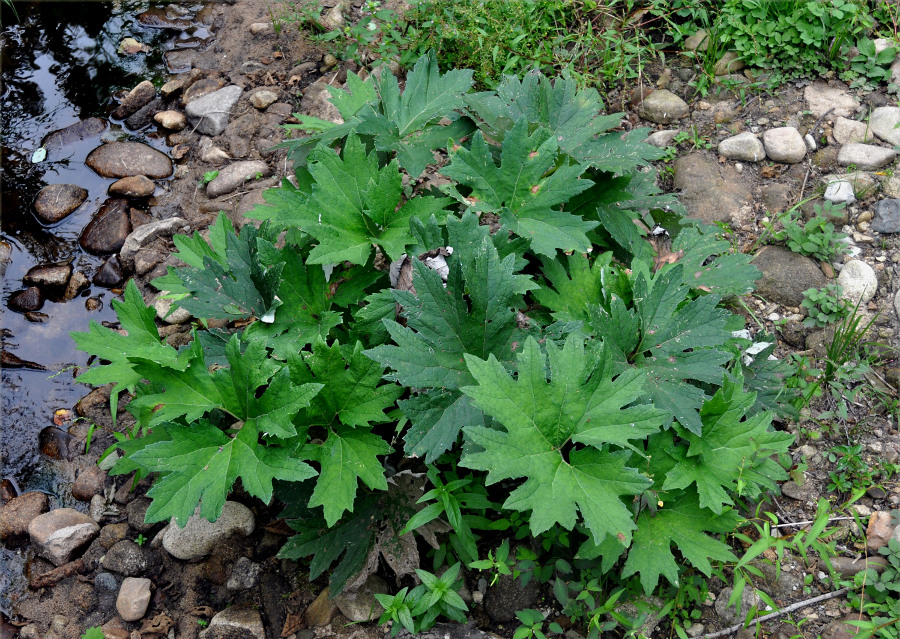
(528, 332)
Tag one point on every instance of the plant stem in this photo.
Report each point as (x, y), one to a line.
(797, 606)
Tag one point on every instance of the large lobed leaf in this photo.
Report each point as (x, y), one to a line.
(730, 441)
(141, 340)
(544, 419)
(408, 124)
(523, 190)
(472, 314)
(677, 341)
(572, 117)
(351, 400)
(354, 205)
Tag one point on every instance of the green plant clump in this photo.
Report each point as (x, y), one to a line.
(527, 364)
(792, 37)
(815, 238)
(824, 305)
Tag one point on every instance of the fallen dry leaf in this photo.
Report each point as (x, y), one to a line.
(292, 624)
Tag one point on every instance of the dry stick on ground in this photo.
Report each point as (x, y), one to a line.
(797, 606)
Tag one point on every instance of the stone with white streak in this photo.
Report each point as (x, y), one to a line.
(58, 534)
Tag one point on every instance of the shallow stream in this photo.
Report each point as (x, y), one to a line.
(60, 64)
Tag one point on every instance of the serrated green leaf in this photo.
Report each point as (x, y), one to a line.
(521, 191)
(542, 418)
(304, 312)
(730, 441)
(348, 103)
(141, 341)
(573, 118)
(709, 263)
(473, 315)
(682, 522)
(577, 285)
(200, 463)
(672, 338)
(354, 205)
(344, 459)
(351, 395)
(240, 287)
(351, 399)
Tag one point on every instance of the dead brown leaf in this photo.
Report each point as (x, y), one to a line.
(292, 624)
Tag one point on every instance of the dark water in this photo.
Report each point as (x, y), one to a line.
(59, 65)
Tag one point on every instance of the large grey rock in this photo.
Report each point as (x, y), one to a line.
(125, 558)
(887, 216)
(846, 130)
(18, 513)
(56, 201)
(107, 231)
(711, 192)
(821, 98)
(209, 114)
(858, 281)
(883, 123)
(235, 175)
(743, 146)
(58, 534)
(867, 157)
(361, 605)
(144, 234)
(125, 159)
(784, 144)
(134, 598)
(663, 107)
(48, 275)
(199, 537)
(785, 275)
(237, 623)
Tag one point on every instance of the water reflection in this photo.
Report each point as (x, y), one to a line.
(58, 65)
